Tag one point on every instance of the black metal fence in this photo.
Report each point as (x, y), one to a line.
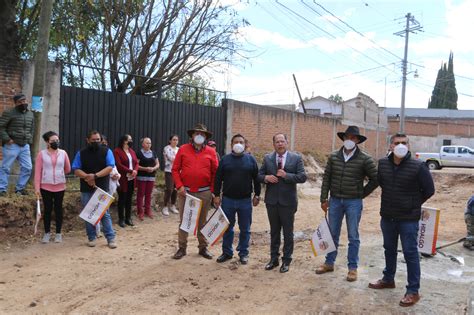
(115, 114)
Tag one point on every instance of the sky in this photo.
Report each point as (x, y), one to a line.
(346, 47)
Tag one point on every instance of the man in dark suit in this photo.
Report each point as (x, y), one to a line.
(281, 171)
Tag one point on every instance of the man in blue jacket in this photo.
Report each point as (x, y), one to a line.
(406, 184)
(237, 175)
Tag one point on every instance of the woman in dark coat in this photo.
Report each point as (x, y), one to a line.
(127, 164)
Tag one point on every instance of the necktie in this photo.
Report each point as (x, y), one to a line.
(280, 162)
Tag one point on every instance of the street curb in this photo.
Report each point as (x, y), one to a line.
(470, 301)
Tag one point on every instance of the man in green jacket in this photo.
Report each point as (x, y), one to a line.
(16, 131)
(344, 177)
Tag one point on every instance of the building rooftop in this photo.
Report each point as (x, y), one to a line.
(431, 113)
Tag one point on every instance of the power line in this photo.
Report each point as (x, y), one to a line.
(321, 81)
(352, 28)
(326, 32)
(456, 75)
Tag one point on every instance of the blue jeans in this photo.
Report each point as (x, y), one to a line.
(243, 209)
(408, 232)
(12, 152)
(106, 221)
(352, 209)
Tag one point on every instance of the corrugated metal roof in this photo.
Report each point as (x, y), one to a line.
(431, 113)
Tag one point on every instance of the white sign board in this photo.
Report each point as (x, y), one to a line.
(97, 206)
(215, 227)
(321, 241)
(192, 210)
(428, 230)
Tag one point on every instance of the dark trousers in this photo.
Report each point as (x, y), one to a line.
(407, 231)
(52, 200)
(170, 191)
(281, 217)
(124, 206)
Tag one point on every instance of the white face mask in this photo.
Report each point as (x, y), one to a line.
(400, 151)
(349, 144)
(238, 148)
(199, 139)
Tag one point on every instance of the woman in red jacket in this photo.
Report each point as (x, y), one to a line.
(127, 165)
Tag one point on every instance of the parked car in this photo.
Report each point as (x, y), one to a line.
(449, 155)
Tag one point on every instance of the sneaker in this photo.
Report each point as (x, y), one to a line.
(58, 238)
(91, 243)
(352, 275)
(112, 245)
(21, 192)
(46, 238)
(174, 210)
(3, 193)
(165, 211)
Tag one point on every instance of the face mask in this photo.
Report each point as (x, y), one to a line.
(400, 151)
(349, 144)
(238, 148)
(94, 146)
(22, 107)
(54, 145)
(130, 143)
(199, 139)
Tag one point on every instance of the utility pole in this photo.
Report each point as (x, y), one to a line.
(299, 94)
(412, 25)
(41, 66)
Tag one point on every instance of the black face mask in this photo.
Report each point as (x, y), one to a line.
(54, 145)
(94, 146)
(130, 143)
(22, 107)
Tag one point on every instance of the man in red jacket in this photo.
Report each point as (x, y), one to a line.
(193, 172)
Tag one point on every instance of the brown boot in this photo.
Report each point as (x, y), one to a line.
(324, 268)
(352, 275)
(180, 253)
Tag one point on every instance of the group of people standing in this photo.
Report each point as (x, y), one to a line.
(234, 183)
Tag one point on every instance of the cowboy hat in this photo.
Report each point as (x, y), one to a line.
(352, 130)
(200, 128)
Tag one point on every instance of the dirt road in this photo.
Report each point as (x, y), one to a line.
(140, 276)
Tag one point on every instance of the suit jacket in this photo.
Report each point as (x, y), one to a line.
(283, 192)
(121, 161)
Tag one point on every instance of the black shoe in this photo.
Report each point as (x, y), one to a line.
(223, 258)
(244, 260)
(272, 264)
(129, 222)
(205, 253)
(285, 267)
(21, 192)
(180, 253)
(121, 223)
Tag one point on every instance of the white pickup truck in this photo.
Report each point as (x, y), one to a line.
(449, 155)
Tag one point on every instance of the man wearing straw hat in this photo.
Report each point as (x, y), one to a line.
(343, 178)
(194, 170)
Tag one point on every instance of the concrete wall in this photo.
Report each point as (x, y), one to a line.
(306, 133)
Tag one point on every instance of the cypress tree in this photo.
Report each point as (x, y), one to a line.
(444, 93)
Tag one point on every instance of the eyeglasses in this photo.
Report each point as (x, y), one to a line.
(400, 142)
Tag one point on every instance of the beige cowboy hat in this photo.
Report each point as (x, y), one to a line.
(200, 128)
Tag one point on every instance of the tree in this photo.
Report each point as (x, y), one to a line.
(444, 93)
(336, 98)
(136, 46)
(194, 89)
(9, 39)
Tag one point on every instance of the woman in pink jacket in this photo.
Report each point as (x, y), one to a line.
(51, 166)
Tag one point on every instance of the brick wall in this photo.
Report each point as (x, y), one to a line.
(434, 127)
(10, 84)
(311, 133)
